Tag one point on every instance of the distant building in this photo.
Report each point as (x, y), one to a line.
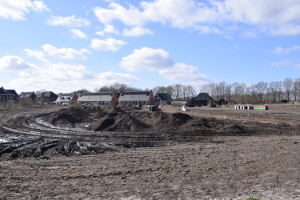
(202, 99)
(163, 99)
(100, 98)
(5, 96)
(27, 97)
(48, 97)
(137, 98)
(16, 96)
(222, 102)
(66, 98)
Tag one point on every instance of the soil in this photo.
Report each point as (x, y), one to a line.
(132, 153)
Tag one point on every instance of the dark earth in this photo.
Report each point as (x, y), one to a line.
(131, 153)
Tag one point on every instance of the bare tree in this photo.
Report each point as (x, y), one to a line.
(177, 91)
(296, 88)
(82, 91)
(275, 91)
(288, 85)
(191, 92)
(261, 89)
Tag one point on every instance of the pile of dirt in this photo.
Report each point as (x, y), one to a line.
(124, 119)
(70, 115)
(118, 120)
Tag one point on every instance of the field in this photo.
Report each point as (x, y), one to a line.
(130, 153)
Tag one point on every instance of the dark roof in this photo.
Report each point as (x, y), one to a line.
(13, 92)
(203, 97)
(164, 96)
(49, 94)
(97, 93)
(4, 92)
(67, 94)
(26, 94)
(147, 93)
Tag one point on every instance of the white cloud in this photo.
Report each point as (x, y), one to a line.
(182, 72)
(62, 71)
(111, 29)
(12, 63)
(65, 53)
(146, 59)
(131, 16)
(280, 18)
(78, 34)
(71, 21)
(136, 31)
(108, 29)
(286, 30)
(297, 66)
(159, 60)
(36, 54)
(110, 77)
(16, 9)
(61, 77)
(281, 63)
(281, 50)
(109, 44)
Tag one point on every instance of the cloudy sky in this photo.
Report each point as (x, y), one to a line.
(64, 45)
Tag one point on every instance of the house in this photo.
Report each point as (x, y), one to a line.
(48, 97)
(163, 99)
(27, 97)
(66, 98)
(16, 96)
(137, 98)
(202, 99)
(222, 102)
(100, 98)
(5, 96)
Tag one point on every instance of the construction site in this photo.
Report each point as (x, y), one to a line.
(108, 152)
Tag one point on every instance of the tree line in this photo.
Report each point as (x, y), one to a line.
(261, 92)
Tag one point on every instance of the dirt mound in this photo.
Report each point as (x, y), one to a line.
(131, 108)
(118, 120)
(207, 123)
(71, 115)
(180, 118)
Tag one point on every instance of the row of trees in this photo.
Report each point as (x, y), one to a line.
(177, 91)
(261, 92)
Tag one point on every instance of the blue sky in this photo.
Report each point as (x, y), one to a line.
(63, 46)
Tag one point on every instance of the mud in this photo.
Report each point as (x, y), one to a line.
(132, 153)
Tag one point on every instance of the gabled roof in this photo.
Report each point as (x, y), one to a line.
(94, 97)
(26, 94)
(4, 92)
(66, 94)
(49, 94)
(203, 97)
(97, 93)
(164, 97)
(135, 96)
(13, 92)
(147, 93)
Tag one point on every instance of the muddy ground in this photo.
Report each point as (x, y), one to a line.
(131, 153)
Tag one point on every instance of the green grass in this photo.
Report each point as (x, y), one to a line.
(252, 198)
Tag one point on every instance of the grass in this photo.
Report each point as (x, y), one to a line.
(252, 198)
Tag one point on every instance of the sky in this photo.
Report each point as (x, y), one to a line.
(63, 45)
